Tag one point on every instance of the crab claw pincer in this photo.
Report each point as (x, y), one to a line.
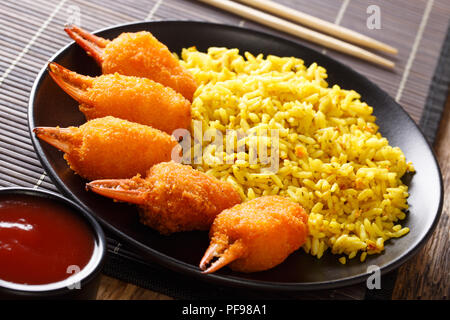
(92, 44)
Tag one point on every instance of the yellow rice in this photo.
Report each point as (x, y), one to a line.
(332, 159)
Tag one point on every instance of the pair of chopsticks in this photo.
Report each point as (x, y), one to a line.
(305, 33)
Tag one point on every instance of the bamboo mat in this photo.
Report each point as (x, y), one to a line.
(32, 31)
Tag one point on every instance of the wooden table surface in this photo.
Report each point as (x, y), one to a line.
(425, 276)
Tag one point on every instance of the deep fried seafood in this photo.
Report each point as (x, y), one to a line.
(256, 235)
(136, 54)
(173, 197)
(139, 100)
(110, 147)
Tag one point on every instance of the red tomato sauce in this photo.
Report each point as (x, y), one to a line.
(39, 239)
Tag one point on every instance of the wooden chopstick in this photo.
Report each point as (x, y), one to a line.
(319, 24)
(299, 31)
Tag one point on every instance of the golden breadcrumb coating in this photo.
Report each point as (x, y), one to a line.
(114, 148)
(179, 198)
(141, 54)
(266, 230)
(139, 100)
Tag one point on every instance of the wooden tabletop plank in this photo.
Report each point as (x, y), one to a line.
(113, 289)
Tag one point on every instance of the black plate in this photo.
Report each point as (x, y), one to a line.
(50, 106)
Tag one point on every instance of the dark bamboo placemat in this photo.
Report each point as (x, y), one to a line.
(31, 31)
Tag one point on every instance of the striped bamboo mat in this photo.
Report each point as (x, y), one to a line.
(31, 31)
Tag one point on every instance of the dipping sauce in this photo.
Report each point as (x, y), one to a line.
(41, 240)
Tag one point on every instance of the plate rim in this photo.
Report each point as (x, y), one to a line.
(185, 268)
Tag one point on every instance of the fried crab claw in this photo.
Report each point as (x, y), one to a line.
(137, 54)
(135, 99)
(256, 235)
(172, 197)
(109, 148)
